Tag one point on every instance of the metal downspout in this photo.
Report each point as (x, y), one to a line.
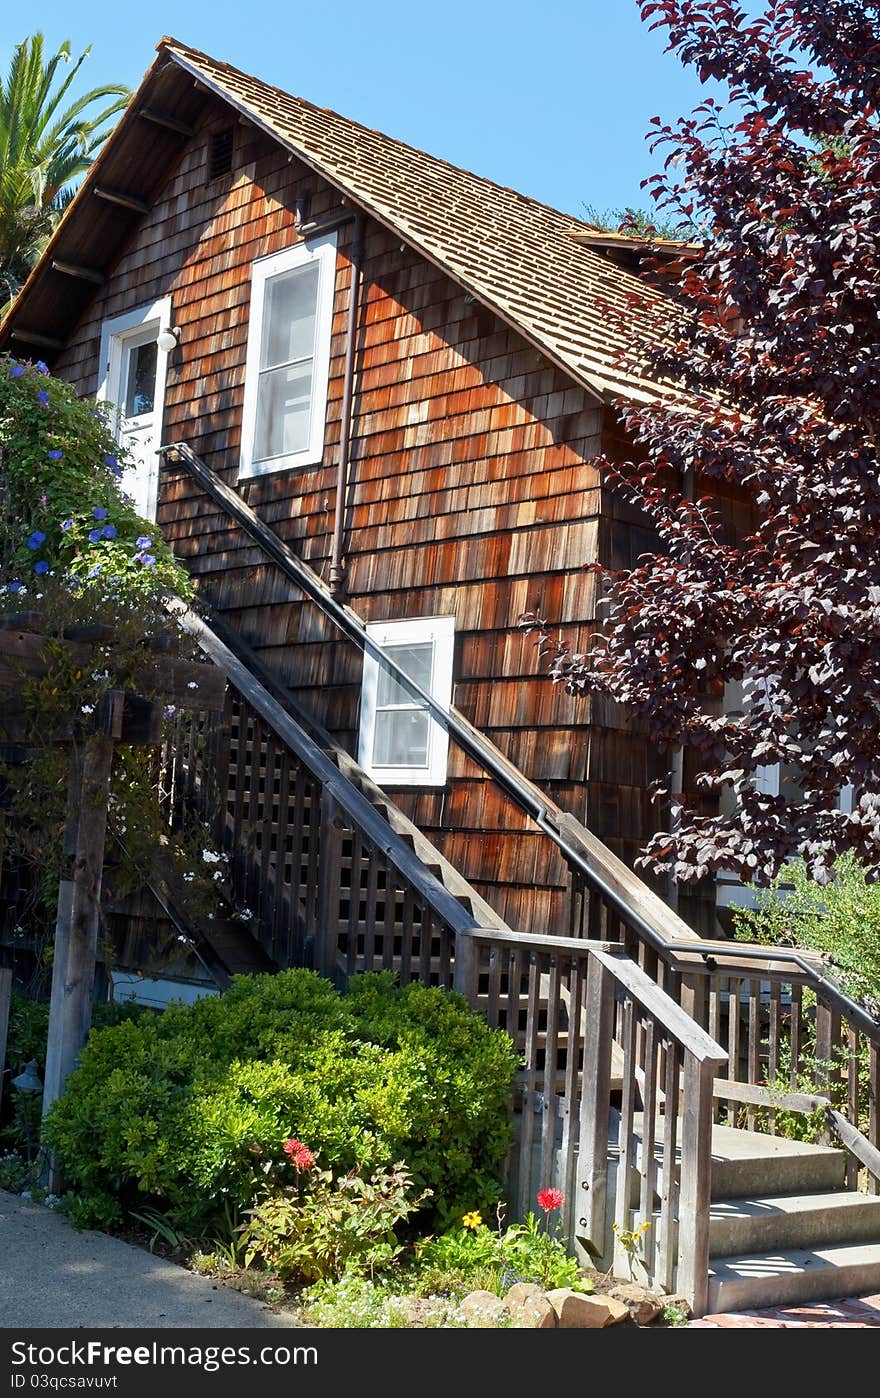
(337, 568)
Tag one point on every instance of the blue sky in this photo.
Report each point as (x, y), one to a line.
(553, 98)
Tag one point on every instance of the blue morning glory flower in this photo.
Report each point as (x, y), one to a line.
(100, 513)
(56, 455)
(94, 535)
(93, 572)
(41, 368)
(147, 559)
(110, 460)
(109, 531)
(16, 586)
(37, 538)
(144, 541)
(15, 372)
(66, 524)
(42, 398)
(41, 567)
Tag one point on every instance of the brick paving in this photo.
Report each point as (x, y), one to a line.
(859, 1313)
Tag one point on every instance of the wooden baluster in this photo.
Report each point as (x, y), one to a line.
(666, 1263)
(733, 1027)
(828, 1031)
(389, 917)
(514, 983)
(796, 1034)
(354, 903)
(329, 880)
(754, 1044)
(576, 987)
(370, 909)
(265, 905)
(466, 971)
(551, 1058)
(649, 1156)
(626, 1144)
(716, 1012)
(595, 1100)
(239, 776)
(222, 761)
(446, 953)
(282, 935)
(852, 1100)
(530, 1087)
(406, 934)
(492, 1005)
(873, 1112)
(310, 901)
(774, 1040)
(426, 947)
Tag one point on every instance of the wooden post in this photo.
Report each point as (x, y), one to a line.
(696, 1181)
(5, 1004)
(464, 969)
(73, 974)
(329, 884)
(589, 1210)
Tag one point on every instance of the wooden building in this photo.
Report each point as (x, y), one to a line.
(339, 307)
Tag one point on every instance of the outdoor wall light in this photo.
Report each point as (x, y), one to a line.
(29, 1080)
(168, 339)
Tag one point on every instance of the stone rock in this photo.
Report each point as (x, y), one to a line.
(643, 1305)
(483, 1310)
(529, 1308)
(576, 1311)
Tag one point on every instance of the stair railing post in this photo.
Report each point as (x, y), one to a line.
(588, 1214)
(329, 886)
(695, 1187)
(465, 967)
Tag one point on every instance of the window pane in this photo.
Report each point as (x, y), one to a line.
(417, 661)
(283, 404)
(400, 738)
(140, 390)
(289, 308)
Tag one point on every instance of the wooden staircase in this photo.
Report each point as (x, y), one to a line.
(629, 1019)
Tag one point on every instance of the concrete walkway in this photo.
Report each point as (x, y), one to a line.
(53, 1276)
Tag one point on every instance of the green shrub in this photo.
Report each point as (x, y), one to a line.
(465, 1259)
(190, 1110)
(331, 1227)
(841, 919)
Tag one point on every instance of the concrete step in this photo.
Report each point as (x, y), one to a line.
(740, 1226)
(747, 1165)
(782, 1278)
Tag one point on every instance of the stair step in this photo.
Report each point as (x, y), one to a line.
(748, 1165)
(738, 1226)
(782, 1278)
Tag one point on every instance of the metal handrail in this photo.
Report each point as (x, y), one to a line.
(514, 783)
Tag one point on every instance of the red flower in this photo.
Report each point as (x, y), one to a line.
(550, 1199)
(299, 1155)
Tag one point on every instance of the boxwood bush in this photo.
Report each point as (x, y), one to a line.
(187, 1110)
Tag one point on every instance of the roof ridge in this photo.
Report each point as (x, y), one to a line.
(169, 43)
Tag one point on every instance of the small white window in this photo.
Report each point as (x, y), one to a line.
(288, 358)
(400, 744)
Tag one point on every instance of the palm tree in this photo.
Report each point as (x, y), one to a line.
(44, 148)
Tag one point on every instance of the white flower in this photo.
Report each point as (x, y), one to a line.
(210, 857)
(100, 674)
(188, 878)
(245, 913)
(192, 684)
(218, 874)
(88, 708)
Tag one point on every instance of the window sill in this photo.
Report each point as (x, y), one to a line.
(251, 470)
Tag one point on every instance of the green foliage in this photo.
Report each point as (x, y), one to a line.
(639, 223)
(841, 919)
(190, 1111)
(335, 1226)
(464, 1259)
(28, 1027)
(674, 1316)
(355, 1302)
(44, 147)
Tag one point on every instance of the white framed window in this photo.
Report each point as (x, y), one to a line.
(288, 358)
(400, 744)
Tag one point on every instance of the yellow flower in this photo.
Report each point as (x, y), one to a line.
(645, 1227)
(472, 1220)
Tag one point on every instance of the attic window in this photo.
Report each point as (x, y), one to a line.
(220, 153)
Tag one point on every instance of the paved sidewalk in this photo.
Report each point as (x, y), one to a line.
(55, 1277)
(859, 1313)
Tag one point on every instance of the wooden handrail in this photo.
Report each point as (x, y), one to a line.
(670, 1016)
